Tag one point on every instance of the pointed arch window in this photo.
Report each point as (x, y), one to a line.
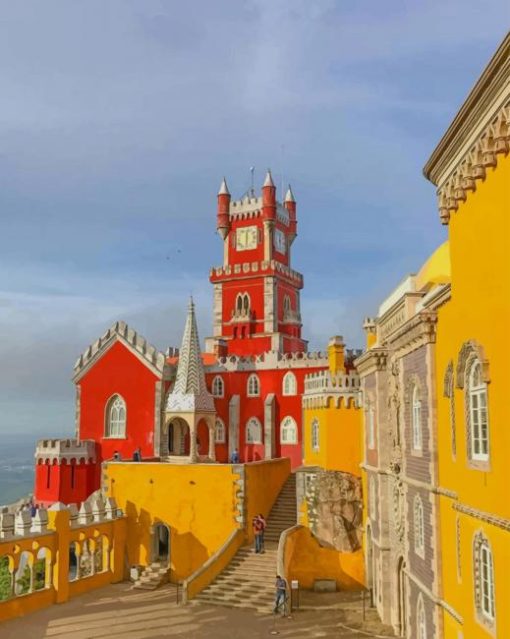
(218, 387)
(419, 528)
(477, 413)
(416, 419)
(253, 386)
(289, 384)
(288, 431)
(484, 579)
(116, 418)
(220, 432)
(315, 435)
(253, 431)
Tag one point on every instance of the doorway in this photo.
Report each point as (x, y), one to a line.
(161, 543)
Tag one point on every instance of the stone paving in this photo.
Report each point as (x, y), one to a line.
(118, 612)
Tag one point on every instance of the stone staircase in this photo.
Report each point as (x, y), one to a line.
(248, 581)
(153, 576)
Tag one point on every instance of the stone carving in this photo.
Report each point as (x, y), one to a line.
(334, 503)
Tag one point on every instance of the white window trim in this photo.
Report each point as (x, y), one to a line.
(419, 527)
(223, 438)
(288, 423)
(108, 409)
(486, 582)
(417, 420)
(218, 381)
(476, 426)
(289, 385)
(315, 435)
(256, 422)
(249, 392)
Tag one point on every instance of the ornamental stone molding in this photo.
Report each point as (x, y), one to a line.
(477, 137)
(374, 360)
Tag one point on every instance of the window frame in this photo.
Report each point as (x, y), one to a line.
(108, 434)
(315, 435)
(292, 391)
(291, 422)
(416, 420)
(419, 526)
(484, 581)
(218, 380)
(255, 422)
(253, 377)
(223, 438)
(477, 427)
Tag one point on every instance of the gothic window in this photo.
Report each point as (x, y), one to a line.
(477, 413)
(220, 433)
(253, 431)
(286, 306)
(289, 384)
(416, 419)
(421, 624)
(253, 386)
(218, 387)
(116, 417)
(315, 435)
(484, 579)
(288, 431)
(242, 304)
(419, 528)
(449, 392)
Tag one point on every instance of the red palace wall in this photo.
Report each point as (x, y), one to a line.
(120, 372)
(70, 483)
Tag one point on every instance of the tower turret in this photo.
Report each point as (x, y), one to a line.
(268, 198)
(223, 215)
(290, 205)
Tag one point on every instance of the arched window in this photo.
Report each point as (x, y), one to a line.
(288, 431)
(477, 413)
(286, 306)
(416, 418)
(242, 304)
(253, 431)
(253, 386)
(116, 417)
(220, 433)
(419, 529)
(218, 387)
(421, 623)
(289, 384)
(315, 435)
(484, 578)
(246, 303)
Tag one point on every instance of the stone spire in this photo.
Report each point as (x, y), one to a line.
(289, 197)
(190, 391)
(224, 188)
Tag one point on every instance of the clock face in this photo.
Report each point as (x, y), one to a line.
(246, 238)
(279, 241)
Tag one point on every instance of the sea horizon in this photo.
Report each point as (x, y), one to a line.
(16, 467)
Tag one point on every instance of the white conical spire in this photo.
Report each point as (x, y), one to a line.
(190, 391)
(269, 179)
(289, 196)
(224, 188)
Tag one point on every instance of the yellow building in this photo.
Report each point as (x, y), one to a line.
(471, 169)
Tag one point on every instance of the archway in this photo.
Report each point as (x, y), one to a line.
(402, 598)
(161, 542)
(177, 437)
(202, 438)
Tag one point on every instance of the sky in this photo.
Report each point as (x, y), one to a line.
(119, 119)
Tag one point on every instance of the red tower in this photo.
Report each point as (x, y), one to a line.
(256, 293)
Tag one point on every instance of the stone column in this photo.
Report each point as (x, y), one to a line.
(212, 441)
(193, 453)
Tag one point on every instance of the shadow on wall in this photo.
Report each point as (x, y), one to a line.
(187, 553)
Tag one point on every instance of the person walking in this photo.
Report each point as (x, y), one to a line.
(258, 532)
(281, 595)
(263, 523)
(234, 457)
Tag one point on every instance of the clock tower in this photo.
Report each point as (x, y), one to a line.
(256, 292)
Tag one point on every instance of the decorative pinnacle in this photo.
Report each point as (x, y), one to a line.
(289, 197)
(224, 188)
(269, 179)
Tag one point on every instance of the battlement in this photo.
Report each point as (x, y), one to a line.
(270, 360)
(250, 207)
(131, 338)
(56, 450)
(265, 267)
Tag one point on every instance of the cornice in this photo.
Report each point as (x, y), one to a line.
(419, 330)
(372, 361)
(479, 133)
(488, 518)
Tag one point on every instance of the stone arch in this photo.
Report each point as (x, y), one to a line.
(176, 440)
(161, 536)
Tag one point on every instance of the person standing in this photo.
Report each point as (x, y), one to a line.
(234, 457)
(137, 455)
(258, 532)
(263, 523)
(281, 595)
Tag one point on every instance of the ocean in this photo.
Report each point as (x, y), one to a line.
(16, 468)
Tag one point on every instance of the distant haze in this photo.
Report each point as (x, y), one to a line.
(120, 118)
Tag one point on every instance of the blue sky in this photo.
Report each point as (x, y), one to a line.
(119, 119)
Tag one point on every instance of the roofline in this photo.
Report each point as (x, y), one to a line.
(493, 78)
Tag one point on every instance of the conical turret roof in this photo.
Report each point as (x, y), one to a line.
(190, 391)
(224, 188)
(269, 179)
(289, 196)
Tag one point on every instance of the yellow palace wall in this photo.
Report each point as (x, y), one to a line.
(479, 310)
